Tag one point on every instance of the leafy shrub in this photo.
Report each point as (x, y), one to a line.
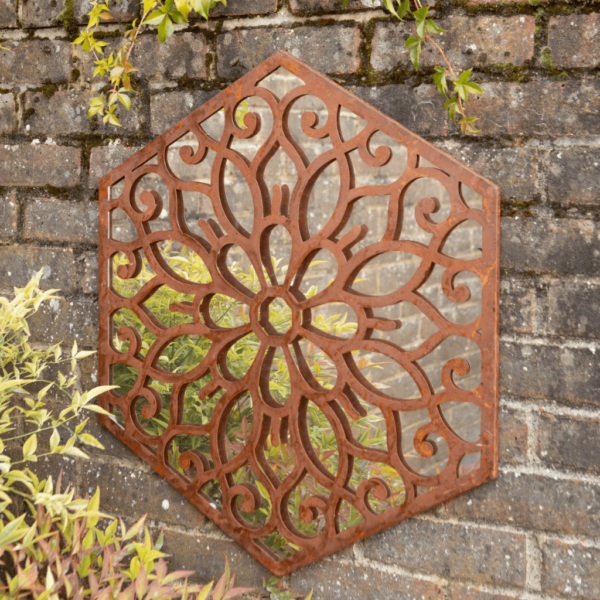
(54, 545)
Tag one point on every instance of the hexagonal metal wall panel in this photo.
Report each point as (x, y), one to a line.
(292, 428)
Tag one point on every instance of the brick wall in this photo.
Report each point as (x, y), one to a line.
(534, 532)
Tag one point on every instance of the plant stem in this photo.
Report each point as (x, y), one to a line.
(454, 77)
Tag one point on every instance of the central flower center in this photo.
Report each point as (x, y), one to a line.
(275, 316)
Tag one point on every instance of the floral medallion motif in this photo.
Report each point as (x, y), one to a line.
(234, 382)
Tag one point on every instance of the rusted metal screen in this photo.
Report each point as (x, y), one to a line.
(292, 427)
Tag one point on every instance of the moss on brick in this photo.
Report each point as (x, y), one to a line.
(68, 19)
(49, 88)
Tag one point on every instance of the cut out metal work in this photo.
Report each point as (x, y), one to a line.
(299, 306)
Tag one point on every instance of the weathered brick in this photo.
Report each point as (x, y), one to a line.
(8, 113)
(571, 570)
(167, 505)
(39, 165)
(517, 306)
(60, 221)
(36, 62)
(244, 7)
(39, 13)
(56, 465)
(318, 6)
(569, 442)
(514, 432)
(123, 490)
(8, 216)
(560, 373)
(575, 40)
(328, 49)
(66, 111)
(573, 176)
(331, 580)
(183, 55)
(206, 556)
(484, 40)
(515, 169)
(420, 109)
(105, 158)
(481, 555)
(8, 14)
(19, 263)
(89, 272)
(45, 13)
(66, 320)
(568, 506)
(125, 10)
(563, 245)
(132, 492)
(168, 109)
(465, 592)
(544, 107)
(574, 309)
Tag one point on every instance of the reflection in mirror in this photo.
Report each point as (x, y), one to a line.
(214, 125)
(371, 211)
(324, 197)
(428, 466)
(129, 287)
(186, 172)
(365, 174)
(335, 318)
(453, 347)
(122, 227)
(471, 197)
(386, 273)
(304, 106)
(116, 189)
(464, 418)
(350, 124)
(320, 273)
(280, 82)
(250, 146)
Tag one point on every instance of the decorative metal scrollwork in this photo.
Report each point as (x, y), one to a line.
(293, 447)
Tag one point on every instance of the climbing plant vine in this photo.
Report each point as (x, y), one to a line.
(117, 68)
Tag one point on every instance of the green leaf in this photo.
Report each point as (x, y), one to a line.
(465, 76)
(473, 88)
(155, 18)
(30, 447)
(90, 440)
(401, 12)
(93, 393)
(165, 30)
(98, 409)
(203, 595)
(149, 5)
(421, 29)
(73, 451)
(54, 440)
(388, 4)
(421, 14)
(125, 100)
(440, 80)
(184, 8)
(135, 529)
(432, 27)
(12, 532)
